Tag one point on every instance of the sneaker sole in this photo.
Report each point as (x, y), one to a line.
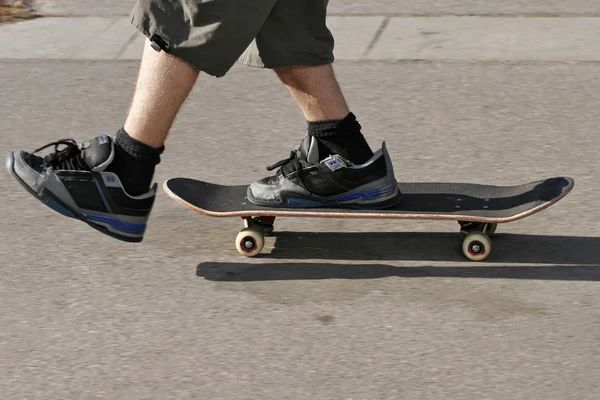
(301, 202)
(51, 201)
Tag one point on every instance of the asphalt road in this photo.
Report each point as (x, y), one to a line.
(335, 309)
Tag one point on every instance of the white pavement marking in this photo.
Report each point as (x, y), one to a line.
(133, 49)
(353, 35)
(110, 43)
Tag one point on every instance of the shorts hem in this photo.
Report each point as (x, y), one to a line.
(292, 61)
(215, 72)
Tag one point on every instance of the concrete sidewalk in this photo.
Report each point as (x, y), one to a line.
(373, 7)
(385, 38)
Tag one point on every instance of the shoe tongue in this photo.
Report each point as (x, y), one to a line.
(309, 149)
(98, 153)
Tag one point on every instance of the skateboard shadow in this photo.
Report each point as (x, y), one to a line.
(506, 248)
(253, 272)
(573, 258)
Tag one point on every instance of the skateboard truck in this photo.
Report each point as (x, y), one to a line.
(468, 227)
(476, 245)
(263, 223)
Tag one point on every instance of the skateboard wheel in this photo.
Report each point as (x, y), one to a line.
(249, 242)
(477, 246)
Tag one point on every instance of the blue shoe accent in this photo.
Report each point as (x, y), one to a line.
(370, 195)
(126, 227)
(104, 199)
(354, 199)
(56, 206)
(294, 202)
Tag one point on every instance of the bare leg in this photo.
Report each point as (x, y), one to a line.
(316, 91)
(163, 84)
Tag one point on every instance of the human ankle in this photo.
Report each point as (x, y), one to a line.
(342, 137)
(134, 163)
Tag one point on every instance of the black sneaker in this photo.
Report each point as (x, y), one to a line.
(72, 181)
(304, 180)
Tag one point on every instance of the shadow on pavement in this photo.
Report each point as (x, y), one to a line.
(246, 272)
(573, 258)
(423, 246)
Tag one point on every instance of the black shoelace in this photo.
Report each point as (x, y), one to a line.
(65, 158)
(288, 165)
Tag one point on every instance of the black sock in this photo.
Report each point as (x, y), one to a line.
(341, 137)
(134, 163)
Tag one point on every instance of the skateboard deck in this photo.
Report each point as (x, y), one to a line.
(483, 206)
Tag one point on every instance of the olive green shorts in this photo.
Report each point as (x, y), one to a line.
(211, 35)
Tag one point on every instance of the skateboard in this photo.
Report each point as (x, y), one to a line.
(478, 208)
